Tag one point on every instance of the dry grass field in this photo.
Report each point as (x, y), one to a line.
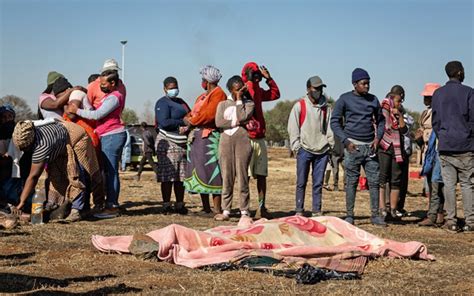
(58, 259)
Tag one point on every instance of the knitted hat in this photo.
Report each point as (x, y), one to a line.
(24, 134)
(359, 74)
(52, 77)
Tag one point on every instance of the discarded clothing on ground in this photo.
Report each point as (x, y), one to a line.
(285, 246)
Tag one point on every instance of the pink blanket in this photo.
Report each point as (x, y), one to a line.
(289, 239)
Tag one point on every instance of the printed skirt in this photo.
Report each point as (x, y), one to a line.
(203, 174)
(171, 160)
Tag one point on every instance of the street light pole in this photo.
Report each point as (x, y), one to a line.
(123, 58)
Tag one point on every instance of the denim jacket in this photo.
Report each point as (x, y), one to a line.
(432, 164)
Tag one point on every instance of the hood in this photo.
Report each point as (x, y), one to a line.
(249, 66)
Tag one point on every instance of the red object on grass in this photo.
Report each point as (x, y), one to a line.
(415, 175)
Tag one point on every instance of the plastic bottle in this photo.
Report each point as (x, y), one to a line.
(37, 207)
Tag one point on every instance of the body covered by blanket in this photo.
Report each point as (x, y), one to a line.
(323, 241)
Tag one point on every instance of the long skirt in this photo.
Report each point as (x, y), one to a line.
(171, 160)
(203, 174)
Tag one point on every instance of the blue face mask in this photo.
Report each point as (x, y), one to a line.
(172, 93)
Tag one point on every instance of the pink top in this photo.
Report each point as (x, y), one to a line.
(95, 95)
(58, 113)
(112, 121)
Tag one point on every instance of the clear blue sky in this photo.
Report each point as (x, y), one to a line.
(397, 42)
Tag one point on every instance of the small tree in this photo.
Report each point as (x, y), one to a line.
(276, 121)
(129, 116)
(22, 110)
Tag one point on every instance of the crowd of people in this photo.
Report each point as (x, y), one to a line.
(220, 141)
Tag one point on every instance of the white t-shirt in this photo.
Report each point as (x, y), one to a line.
(79, 95)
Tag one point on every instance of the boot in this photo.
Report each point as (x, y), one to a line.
(262, 212)
(439, 219)
(427, 222)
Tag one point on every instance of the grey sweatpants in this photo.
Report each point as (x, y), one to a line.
(234, 159)
(460, 166)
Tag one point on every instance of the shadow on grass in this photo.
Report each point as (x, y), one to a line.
(17, 256)
(117, 289)
(13, 233)
(14, 260)
(17, 283)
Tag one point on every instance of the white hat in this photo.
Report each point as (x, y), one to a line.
(110, 64)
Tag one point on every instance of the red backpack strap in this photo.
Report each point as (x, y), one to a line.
(325, 119)
(302, 111)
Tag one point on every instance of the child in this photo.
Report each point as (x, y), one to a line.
(234, 146)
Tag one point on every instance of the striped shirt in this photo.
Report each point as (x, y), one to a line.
(50, 142)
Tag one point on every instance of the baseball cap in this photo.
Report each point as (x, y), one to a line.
(316, 81)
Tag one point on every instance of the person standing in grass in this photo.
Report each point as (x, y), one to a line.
(234, 146)
(171, 140)
(252, 75)
(453, 123)
(362, 130)
(311, 140)
(391, 154)
(148, 151)
(203, 173)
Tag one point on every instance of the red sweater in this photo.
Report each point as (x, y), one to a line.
(260, 95)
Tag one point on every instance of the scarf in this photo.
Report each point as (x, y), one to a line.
(391, 135)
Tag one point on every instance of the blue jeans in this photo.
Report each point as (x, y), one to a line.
(353, 162)
(111, 147)
(305, 160)
(82, 201)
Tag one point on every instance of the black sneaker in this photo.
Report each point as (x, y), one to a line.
(468, 228)
(453, 227)
(167, 209)
(180, 208)
(401, 213)
(392, 217)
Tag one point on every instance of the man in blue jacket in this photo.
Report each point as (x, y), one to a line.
(453, 123)
(362, 116)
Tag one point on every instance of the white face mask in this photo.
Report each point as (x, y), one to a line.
(172, 93)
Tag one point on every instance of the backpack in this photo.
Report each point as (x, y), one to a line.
(324, 109)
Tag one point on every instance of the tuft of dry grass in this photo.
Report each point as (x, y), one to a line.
(59, 258)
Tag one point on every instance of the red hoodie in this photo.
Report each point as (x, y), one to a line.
(259, 95)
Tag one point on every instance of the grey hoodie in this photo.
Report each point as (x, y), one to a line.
(310, 136)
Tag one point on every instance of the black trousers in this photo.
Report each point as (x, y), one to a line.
(147, 157)
(390, 169)
(405, 166)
